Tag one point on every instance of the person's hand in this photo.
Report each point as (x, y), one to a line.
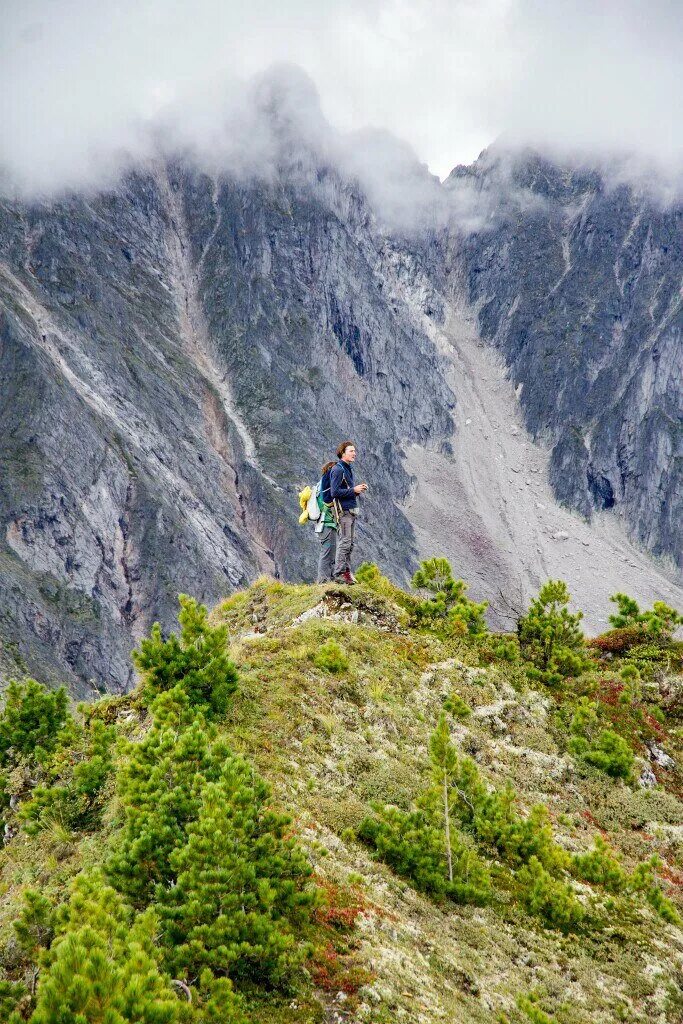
(360, 488)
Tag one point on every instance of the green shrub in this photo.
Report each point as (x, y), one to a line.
(535, 1014)
(629, 673)
(12, 994)
(448, 607)
(550, 899)
(240, 889)
(370, 576)
(76, 801)
(31, 720)
(661, 620)
(103, 964)
(34, 927)
(550, 637)
(331, 658)
(600, 867)
(601, 747)
(198, 660)
(457, 707)
(608, 751)
(412, 844)
(647, 657)
(497, 823)
(159, 786)
(644, 881)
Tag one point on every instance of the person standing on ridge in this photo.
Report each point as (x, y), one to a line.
(345, 498)
(326, 526)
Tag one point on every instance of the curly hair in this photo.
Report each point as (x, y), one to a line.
(343, 446)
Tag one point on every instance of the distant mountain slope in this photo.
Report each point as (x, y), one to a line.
(579, 286)
(178, 357)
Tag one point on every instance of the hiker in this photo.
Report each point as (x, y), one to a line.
(326, 527)
(345, 498)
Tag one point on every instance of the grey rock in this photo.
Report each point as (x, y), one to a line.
(660, 756)
(647, 778)
(178, 356)
(578, 283)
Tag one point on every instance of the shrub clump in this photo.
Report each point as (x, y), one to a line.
(599, 866)
(31, 721)
(549, 898)
(159, 787)
(448, 606)
(617, 641)
(103, 964)
(331, 658)
(412, 844)
(197, 659)
(78, 773)
(239, 886)
(601, 747)
(550, 637)
(661, 620)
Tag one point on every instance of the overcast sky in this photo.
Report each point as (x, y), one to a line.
(80, 80)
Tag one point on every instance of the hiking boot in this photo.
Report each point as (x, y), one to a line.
(345, 577)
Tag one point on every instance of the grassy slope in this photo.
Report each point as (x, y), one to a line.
(333, 743)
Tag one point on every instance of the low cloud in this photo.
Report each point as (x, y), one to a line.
(86, 89)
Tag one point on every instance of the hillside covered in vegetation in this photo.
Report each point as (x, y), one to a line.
(326, 804)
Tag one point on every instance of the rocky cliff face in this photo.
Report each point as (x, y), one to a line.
(579, 287)
(179, 354)
(178, 357)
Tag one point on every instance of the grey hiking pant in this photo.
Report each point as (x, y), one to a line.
(328, 544)
(347, 530)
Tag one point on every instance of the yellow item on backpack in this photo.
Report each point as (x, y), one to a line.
(304, 497)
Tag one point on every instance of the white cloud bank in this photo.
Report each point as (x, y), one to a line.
(83, 83)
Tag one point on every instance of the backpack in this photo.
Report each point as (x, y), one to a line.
(308, 500)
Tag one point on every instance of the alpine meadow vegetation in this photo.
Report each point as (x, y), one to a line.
(271, 827)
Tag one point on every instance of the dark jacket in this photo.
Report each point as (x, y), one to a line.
(341, 485)
(325, 488)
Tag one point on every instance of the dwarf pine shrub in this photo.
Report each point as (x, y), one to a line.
(159, 786)
(549, 898)
(13, 994)
(599, 866)
(103, 964)
(31, 720)
(371, 576)
(240, 890)
(457, 707)
(644, 881)
(412, 844)
(331, 658)
(447, 606)
(80, 772)
(34, 927)
(550, 636)
(198, 660)
(602, 748)
(660, 621)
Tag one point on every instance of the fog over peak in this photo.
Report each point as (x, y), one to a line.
(85, 88)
